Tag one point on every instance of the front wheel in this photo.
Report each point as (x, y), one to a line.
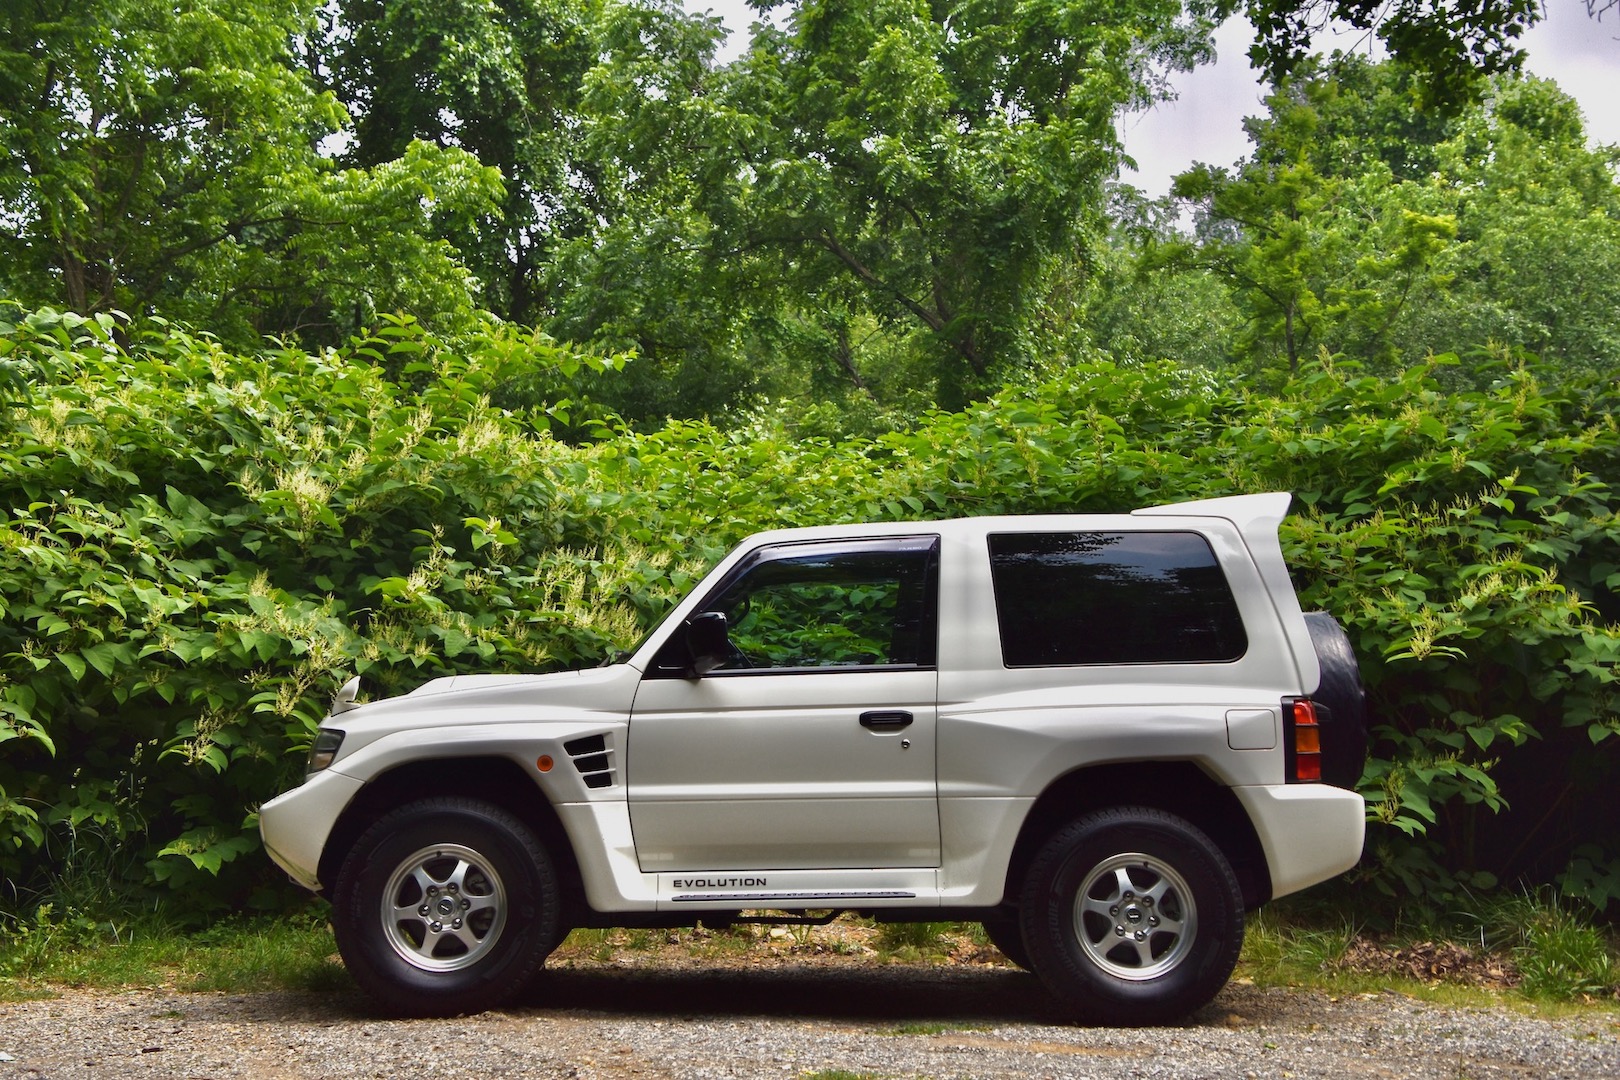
(1132, 916)
(445, 906)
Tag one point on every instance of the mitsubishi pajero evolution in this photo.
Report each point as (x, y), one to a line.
(1105, 737)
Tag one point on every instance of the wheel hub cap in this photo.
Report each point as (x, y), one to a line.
(1134, 917)
(444, 908)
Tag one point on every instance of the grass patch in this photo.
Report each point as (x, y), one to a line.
(265, 955)
(912, 941)
(1560, 954)
(1531, 947)
(934, 1027)
(603, 945)
(237, 955)
(1534, 948)
(1280, 951)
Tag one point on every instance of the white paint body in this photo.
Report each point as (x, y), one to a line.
(745, 790)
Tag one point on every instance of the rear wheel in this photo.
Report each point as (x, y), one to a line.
(1008, 936)
(446, 906)
(1132, 916)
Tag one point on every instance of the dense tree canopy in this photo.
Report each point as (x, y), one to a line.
(876, 208)
(501, 80)
(163, 162)
(1448, 44)
(890, 170)
(1364, 227)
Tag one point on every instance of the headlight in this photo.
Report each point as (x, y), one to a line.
(327, 741)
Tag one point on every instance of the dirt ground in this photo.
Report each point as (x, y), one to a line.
(795, 1004)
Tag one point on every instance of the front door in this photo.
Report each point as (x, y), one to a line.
(812, 746)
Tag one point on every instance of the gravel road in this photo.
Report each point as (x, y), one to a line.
(788, 1021)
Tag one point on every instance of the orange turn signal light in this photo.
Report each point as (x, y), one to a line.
(1305, 742)
(544, 763)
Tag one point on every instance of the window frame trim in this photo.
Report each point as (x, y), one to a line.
(897, 544)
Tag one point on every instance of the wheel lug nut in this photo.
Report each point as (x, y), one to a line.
(465, 904)
(422, 911)
(1141, 935)
(456, 925)
(437, 926)
(1114, 910)
(1119, 931)
(1153, 920)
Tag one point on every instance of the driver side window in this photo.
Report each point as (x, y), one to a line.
(815, 606)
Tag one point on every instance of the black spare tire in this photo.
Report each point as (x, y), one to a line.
(1340, 692)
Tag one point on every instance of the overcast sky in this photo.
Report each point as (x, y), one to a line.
(1204, 123)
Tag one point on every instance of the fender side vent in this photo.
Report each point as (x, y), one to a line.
(593, 758)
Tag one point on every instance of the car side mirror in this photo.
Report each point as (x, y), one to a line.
(707, 641)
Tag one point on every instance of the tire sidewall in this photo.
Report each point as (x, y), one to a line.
(1007, 935)
(514, 855)
(1340, 688)
(1056, 879)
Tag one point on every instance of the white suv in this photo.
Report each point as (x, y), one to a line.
(1103, 737)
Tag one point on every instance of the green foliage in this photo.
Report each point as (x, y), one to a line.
(1135, 310)
(1591, 877)
(1536, 942)
(200, 545)
(501, 81)
(1310, 257)
(1282, 949)
(236, 954)
(1450, 46)
(1560, 954)
(866, 179)
(1365, 226)
(155, 159)
(910, 940)
(1566, 960)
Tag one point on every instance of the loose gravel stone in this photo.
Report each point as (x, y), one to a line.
(789, 1021)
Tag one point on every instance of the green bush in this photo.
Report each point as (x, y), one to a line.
(197, 546)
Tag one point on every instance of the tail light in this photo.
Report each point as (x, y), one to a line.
(1302, 740)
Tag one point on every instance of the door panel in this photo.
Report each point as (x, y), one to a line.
(776, 771)
(812, 745)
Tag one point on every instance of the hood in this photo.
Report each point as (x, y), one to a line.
(494, 699)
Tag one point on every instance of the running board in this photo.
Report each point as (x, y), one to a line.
(795, 898)
(741, 890)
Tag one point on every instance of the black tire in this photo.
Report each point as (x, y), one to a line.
(1008, 936)
(465, 867)
(1112, 875)
(1344, 728)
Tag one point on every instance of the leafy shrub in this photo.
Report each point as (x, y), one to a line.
(197, 546)
(1560, 954)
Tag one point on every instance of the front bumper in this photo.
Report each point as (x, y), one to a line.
(295, 825)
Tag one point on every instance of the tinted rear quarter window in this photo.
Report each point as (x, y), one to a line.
(1069, 598)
